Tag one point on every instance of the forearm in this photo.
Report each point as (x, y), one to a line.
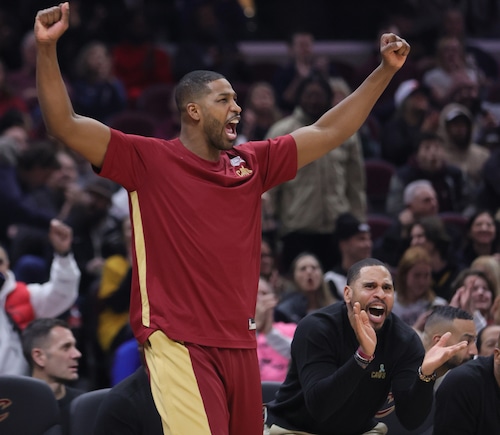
(343, 120)
(352, 112)
(53, 97)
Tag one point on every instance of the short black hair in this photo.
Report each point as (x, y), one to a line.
(355, 269)
(36, 332)
(446, 312)
(193, 85)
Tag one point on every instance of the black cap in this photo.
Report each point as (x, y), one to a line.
(349, 225)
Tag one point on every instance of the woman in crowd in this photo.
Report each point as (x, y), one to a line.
(430, 233)
(311, 292)
(473, 292)
(482, 238)
(414, 294)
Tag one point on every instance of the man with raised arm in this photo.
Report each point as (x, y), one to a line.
(195, 206)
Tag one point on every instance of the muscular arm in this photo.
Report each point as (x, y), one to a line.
(344, 119)
(86, 136)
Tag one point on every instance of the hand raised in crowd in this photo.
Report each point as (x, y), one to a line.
(61, 236)
(463, 298)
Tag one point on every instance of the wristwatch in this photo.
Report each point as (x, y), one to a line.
(424, 378)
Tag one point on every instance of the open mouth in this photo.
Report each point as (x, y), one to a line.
(231, 128)
(376, 312)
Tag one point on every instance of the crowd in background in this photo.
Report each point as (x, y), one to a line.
(437, 127)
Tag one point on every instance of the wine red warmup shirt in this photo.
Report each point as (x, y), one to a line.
(196, 234)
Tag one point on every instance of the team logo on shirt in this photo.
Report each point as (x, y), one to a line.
(380, 374)
(240, 170)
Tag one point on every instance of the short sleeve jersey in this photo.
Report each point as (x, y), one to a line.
(196, 234)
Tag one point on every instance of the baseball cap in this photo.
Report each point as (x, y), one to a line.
(405, 89)
(349, 225)
(456, 113)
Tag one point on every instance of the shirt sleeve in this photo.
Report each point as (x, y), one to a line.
(52, 298)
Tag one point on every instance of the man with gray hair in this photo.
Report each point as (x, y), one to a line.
(420, 200)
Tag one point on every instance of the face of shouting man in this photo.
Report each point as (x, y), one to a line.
(373, 288)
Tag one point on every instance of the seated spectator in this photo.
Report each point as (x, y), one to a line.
(456, 128)
(451, 68)
(473, 292)
(354, 243)
(420, 200)
(460, 324)
(359, 348)
(273, 338)
(440, 321)
(311, 293)
(481, 238)
(303, 62)
(468, 401)
(21, 303)
(487, 339)
(50, 349)
(455, 21)
(128, 408)
(413, 115)
(57, 197)
(97, 234)
(260, 111)
(96, 91)
(414, 295)
(15, 128)
(22, 173)
(428, 163)
(430, 233)
(490, 266)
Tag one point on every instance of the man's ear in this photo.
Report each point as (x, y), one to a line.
(436, 338)
(193, 111)
(38, 356)
(347, 294)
